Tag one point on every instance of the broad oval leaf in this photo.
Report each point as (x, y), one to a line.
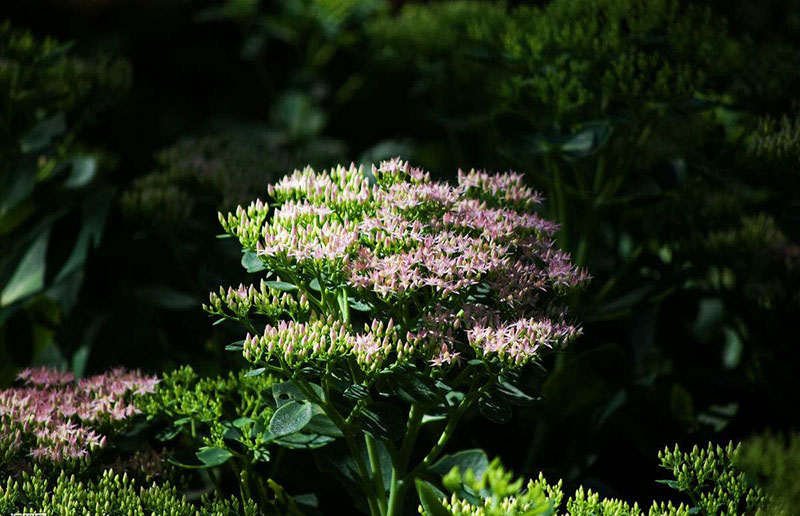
(475, 459)
(290, 418)
(213, 456)
(252, 262)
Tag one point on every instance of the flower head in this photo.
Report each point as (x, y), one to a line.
(418, 253)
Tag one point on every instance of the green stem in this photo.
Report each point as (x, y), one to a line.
(377, 471)
(341, 424)
(397, 491)
(447, 433)
(397, 487)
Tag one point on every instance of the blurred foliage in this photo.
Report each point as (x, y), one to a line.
(50, 186)
(199, 176)
(774, 460)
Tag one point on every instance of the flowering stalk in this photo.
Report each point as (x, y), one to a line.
(390, 297)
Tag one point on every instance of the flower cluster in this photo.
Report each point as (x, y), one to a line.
(264, 300)
(54, 418)
(325, 339)
(406, 247)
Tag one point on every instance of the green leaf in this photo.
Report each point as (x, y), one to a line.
(733, 348)
(81, 355)
(94, 213)
(304, 441)
(255, 372)
(356, 392)
(168, 433)
(323, 425)
(84, 169)
(290, 418)
(383, 421)
(235, 346)
(514, 395)
(213, 456)
(281, 285)
(671, 483)
(475, 459)
(418, 388)
(180, 464)
(242, 421)
(28, 278)
(43, 133)
(495, 408)
(285, 392)
(593, 136)
(359, 305)
(430, 500)
(79, 359)
(252, 262)
(17, 188)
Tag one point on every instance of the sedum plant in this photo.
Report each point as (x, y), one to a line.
(390, 301)
(711, 477)
(110, 494)
(57, 421)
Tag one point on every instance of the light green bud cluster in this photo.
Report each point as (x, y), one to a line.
(111, 493)
(245, 224)
(499, 493)
(323, 339)
(271, 302)
(207, 405)
(587, 503)
(709, 476)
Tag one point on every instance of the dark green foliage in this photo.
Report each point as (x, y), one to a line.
(48, 184)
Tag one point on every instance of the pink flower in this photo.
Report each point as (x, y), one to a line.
(61, 416)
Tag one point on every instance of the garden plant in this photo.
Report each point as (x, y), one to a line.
(394, 257)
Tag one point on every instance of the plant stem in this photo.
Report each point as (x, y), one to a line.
(397, 486)
(341, 424)
(377, 471)
(447, 433)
